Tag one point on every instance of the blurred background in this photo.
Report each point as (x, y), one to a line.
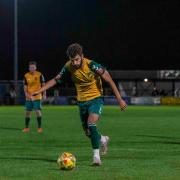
(138, 43)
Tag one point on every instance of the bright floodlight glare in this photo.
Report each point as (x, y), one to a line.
(145, 80)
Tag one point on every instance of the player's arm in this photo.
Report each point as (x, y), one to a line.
(48, 85)
(26, 92)
(101, 71)
(27, 95)
(52, 82)
(107, 77)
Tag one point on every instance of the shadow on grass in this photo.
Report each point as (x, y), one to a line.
(55, 169)
(175, 140)
(10, 128)
(161, 137)
(33, 159)
(169, 142)
(29, 159)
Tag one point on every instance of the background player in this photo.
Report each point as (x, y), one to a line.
(33, 81)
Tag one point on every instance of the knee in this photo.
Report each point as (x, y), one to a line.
(93, 118)
(28, 114)
(38, 113)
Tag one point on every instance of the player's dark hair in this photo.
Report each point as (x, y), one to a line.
(73, 50)
(33, 63)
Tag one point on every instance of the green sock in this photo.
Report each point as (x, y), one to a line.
(39, 121)
(95, 136)
(27, 120)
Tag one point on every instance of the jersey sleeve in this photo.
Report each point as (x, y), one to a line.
(42, 79)
(96, 68)
(61, 76)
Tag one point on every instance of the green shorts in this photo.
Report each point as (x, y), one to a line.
(33, 105)
(88, 107)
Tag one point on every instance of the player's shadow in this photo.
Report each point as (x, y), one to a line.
(32, 159)
(10, 128)
(165, 139)
(29, 158)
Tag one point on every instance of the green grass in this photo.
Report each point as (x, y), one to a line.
(145, 144)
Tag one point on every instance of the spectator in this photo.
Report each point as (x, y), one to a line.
(12, 95)
(155, 92)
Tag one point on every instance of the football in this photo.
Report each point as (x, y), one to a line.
(66, 161)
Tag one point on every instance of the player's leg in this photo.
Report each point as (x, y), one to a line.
(28, 106)
(83, 111)
(95, 137)
(37, 108)
(88, 128)
(39, 120)
(96, 107)
(90, 112)
(95, 110)
(85, 127)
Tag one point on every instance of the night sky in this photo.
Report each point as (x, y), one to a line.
(120, 34)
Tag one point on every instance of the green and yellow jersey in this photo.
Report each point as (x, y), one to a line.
(87, 82)
(34, 81)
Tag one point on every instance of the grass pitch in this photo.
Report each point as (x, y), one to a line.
(145, 144)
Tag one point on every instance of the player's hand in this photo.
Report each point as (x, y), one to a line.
(122, 104)
(28, 96)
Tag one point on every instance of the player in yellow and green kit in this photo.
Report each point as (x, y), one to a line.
(33, 81)
(86, 75)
